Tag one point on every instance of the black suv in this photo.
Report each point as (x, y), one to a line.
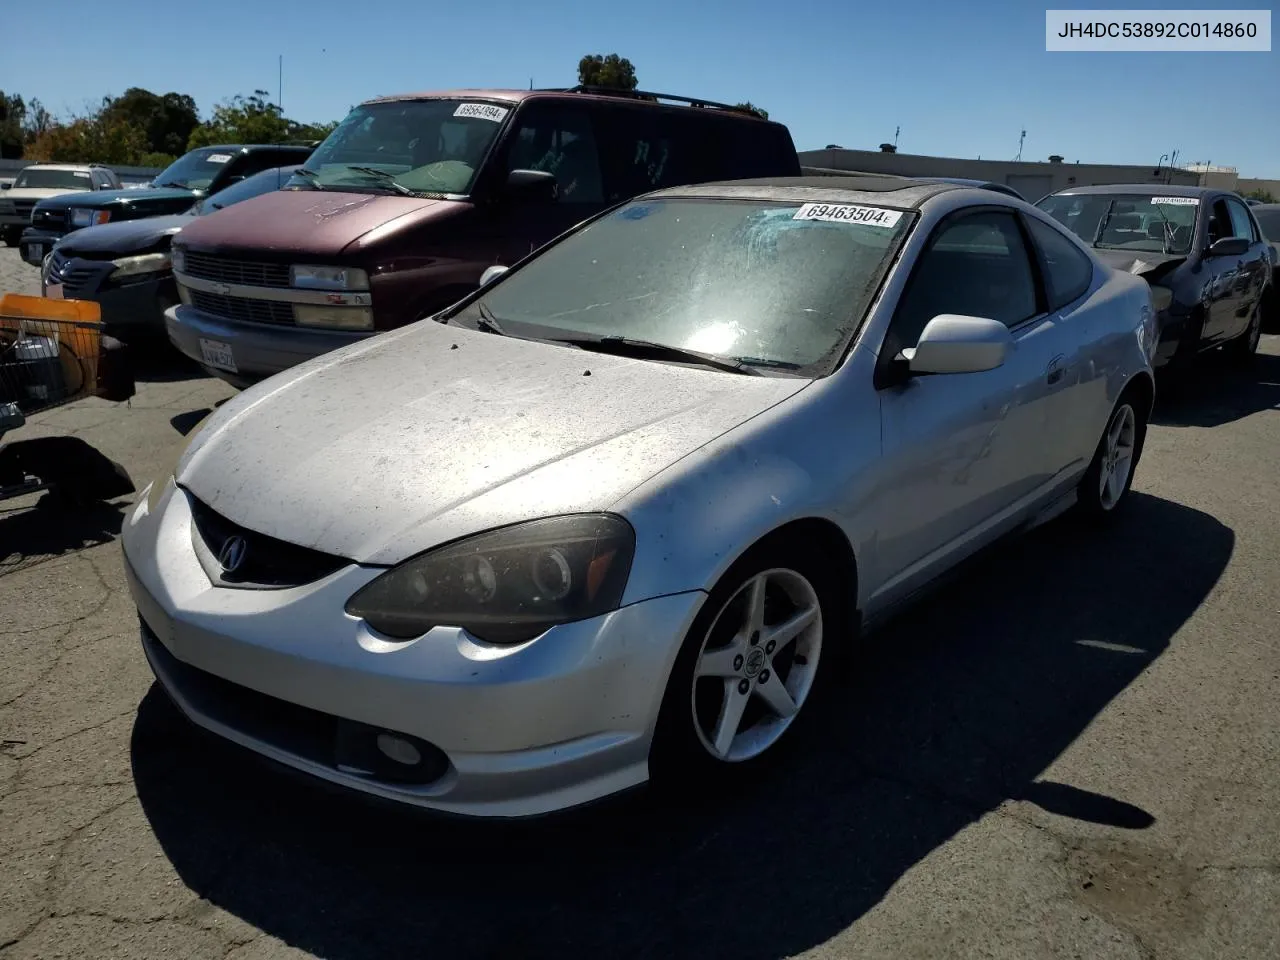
(196, 174)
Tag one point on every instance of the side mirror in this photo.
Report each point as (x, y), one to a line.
(951, 343)
(492, 274)
(6, 185)
(1228, 247)
(532, 186)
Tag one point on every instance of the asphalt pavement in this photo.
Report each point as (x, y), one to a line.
(1071, 750)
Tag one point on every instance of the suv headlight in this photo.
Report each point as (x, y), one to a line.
(328, 278)
(84, 217)
(508, 585)
(146, 263)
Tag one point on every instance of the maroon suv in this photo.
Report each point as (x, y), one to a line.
(402, 209)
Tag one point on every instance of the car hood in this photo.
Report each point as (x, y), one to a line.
(121, 239)
(1139, 262)
(34, 193)
(319, 223)
(143, 197)
(429, 433)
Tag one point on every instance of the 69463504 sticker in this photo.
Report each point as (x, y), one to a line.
(849, 213)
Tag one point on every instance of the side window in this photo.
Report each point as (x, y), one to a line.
(1220, 221)
(646, 149)
(1068, 272)
(1241, 226)
(256, 162)
(561, 141)
(976, 266)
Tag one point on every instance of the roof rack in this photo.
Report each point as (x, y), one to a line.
(648, 95)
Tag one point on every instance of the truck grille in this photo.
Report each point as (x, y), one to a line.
(208, 267)
(242, 308)
(49, 218)
(23, 208)
(6, 208)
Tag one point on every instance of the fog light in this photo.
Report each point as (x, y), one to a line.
(336, 318)
(398, 749)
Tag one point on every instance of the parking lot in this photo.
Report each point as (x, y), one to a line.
(1070, 751)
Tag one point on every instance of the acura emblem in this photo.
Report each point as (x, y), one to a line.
(232, 554)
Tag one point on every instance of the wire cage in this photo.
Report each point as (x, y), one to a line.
(47, 360)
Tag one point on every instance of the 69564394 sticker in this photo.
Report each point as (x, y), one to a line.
(849, 213)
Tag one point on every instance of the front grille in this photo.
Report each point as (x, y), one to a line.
(49, 218)
(208, 267)
(268, 562)
(23, 208)
(243, 309)
(299, 731)
(74, 275)
(6, 208)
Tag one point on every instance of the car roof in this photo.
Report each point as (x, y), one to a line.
(63, 166)
(895, 191)
(595, 95)
(1150, 189)
(253, 146)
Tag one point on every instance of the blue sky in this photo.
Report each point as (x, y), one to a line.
(960, 79)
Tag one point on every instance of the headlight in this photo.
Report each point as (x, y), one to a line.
(508, 585)
(179, 258)
(1161, 297)
(328, 278)
(83, 217)
(147, 263)
(335, 318)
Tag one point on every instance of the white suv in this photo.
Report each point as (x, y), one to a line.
(40, 180)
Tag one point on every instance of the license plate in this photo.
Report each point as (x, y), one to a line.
(215, 353)
(35, 251)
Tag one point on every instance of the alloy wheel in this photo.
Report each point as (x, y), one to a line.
(1117, 456)
(757, 665)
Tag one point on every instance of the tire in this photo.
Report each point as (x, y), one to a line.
(1102, 490)
(727, 666)
(1241, 350)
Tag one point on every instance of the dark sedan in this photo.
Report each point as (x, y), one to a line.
(125, 266)
(202, 172)
(1268, 217)
(1199, 248)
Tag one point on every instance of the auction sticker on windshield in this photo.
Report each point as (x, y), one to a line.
(1180, 201)
(481, 111)
(847, 213)
(217, 158)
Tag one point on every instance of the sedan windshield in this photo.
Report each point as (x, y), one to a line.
(195, 170)
(402, 146)
(1111, 221)
(45, 179)
(768, 284)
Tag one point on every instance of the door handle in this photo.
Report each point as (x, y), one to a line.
(1053, 372)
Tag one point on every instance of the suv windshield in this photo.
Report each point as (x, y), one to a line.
(1112, 221)
(45, 179)
(197, 169)
(424, 146)
(253, 186)
(755, 281)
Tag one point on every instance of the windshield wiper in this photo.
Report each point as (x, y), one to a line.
(310, 176)
(629, 346)
(174, 183)
(387, 178)
(488, 322)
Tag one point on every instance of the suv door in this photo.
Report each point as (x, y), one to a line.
(560, 139)
(1223, 279)
(1255, 267)
(963, 453)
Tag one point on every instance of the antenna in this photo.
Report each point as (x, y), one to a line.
(1020, 141)
(896, 131)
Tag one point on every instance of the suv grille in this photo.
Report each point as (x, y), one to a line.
(49, 218)
(72, 278)
(23, 208)
(243, 309)
(237, 271)
(268, 562)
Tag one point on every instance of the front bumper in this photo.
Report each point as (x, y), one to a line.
(259, 350)
(128, 309)
(35, 243)
(559, 721)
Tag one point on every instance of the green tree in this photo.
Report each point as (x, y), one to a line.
(611, 71)
(311, 131)
(37, 120)
(93, 138)
(752, 108)
(166, 120)
(1263, 195)
(242, 119)
(12, 112)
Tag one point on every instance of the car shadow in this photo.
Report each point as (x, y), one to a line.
(49, 528)
(155, 360)
(1215, 392)
(950, 710)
